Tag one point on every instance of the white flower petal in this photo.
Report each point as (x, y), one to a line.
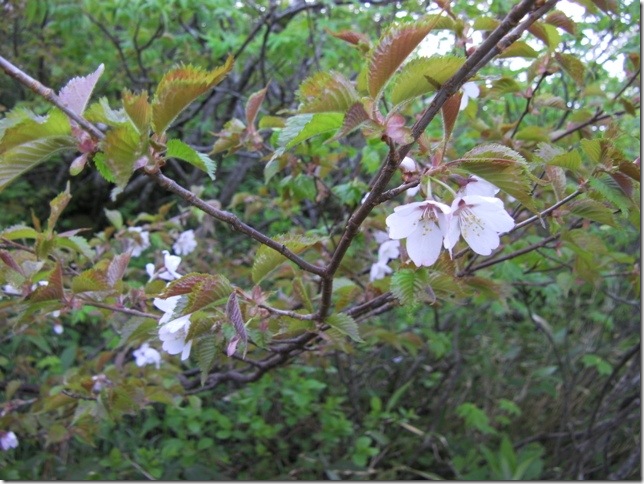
(408, 165)
(389, 250)
(185, 244)
(402, 224)
(479, 186)
(424, 245)
(379, 270)
(186, 351)
(471, 90)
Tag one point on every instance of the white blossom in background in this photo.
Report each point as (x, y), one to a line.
(147, 356)
(169, 270)
(58, 328)
(480, 220)
(423, 224)
(173, 332)
(409, 168)
(186, 243)
(470, 91)
(100, 382)
(11, 290)
(379, 269)
(139, 242)
(8, 440)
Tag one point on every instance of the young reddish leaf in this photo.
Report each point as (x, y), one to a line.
(253, 105)
(78, 90)
(178, 149)
(354, 38)
(395, 45)
(573, 66)
(607, 6)
(631, 169)
(28, 140)
(138, 109)
(561, 20)
(557, 177)
(180, 87)
(53, 290)
(396, 130)
(116, 269)
(10, 262)
(624, 182)
(450, 111)
(122, 149)
(326, 92)
(230, 137)
(355, 117)
(189, 282)
(502, 167)
(233, 311)
(424, 75)
(519, 49)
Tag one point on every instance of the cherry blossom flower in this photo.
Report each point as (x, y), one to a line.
(173, 332)
(389, 249)
(423, 224)
(100, 382)
(169, 271)
(470, 91)
(480, 220)
(478, 186)
(139, 242)
(8, 440)
(11, 290)
(186, 243)
(409, 167)
(147, 356)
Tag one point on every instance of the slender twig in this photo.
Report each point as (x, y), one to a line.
(528, 101)
(231, 220)
(118, 309)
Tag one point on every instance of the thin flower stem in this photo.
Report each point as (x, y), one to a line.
(290, 314)
(534, 218)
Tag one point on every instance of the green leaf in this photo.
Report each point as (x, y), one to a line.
(123, 152)
(326, 92)
(346, 325)
(559, 19)
(570, 160)
(424, 75)
(485, 23)
(205, 352)
(19, 232)
(533, 133)
(597, 362)
(592, 148)
(504, 85)
(178, 149)
(502, 167)
(138, 109)
(546, 33)
(304, 126)
(267, 259)
(519, 49)
(411, 286)
(180, 87)
(28, 140)
(115, 218)
(394, 47)
(57, 206)
(592, 210)
(573, 67)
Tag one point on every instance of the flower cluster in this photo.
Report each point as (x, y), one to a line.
(474, 214)
(173, 332)
(388, 250)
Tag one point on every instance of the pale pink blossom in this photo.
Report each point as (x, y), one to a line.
(470, 91)
(147, 356)
(186, 243)
(173, 332)
(423, 224)
(8, 440)
(139, 242)
(478, 186)
(480, 220)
